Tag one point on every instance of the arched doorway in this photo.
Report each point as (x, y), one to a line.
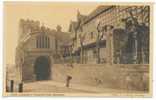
(42, 68)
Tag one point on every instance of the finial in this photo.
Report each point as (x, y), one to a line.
(58, 28)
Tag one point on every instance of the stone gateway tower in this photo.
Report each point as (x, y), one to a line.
(35, 50)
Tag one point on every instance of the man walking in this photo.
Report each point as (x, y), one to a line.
(69, 74)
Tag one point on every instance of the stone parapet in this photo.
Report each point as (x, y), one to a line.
(120, 76)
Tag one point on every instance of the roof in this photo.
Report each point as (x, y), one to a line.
(82, 17)
(96, 12)
(73, 24)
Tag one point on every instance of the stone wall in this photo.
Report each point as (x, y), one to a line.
(134, 77)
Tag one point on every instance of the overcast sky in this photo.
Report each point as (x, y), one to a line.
(50, 14)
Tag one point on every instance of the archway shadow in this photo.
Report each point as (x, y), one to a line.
(42, 68)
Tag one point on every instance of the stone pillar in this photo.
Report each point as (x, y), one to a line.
(135, 49)
(12, 86)
(109, 44)
(20, 87)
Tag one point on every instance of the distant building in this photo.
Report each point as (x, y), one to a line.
(111, 34)
(37, 49)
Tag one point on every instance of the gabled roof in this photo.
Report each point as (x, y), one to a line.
(96, 12)
(73, 24)
(82, 17)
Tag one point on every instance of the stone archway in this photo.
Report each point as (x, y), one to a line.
(42, 68)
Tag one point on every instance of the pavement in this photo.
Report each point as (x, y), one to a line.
(50, 86)
(59, 87)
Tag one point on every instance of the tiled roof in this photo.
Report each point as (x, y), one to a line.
(96, 12)
(83, 19)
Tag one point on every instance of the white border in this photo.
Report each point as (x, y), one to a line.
(67, 98)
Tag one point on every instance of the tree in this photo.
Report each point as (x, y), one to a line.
(139, 32)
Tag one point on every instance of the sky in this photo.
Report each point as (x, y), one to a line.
(49, 14)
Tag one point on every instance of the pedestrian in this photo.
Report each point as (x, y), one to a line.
(68, 80)
(69, 74)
